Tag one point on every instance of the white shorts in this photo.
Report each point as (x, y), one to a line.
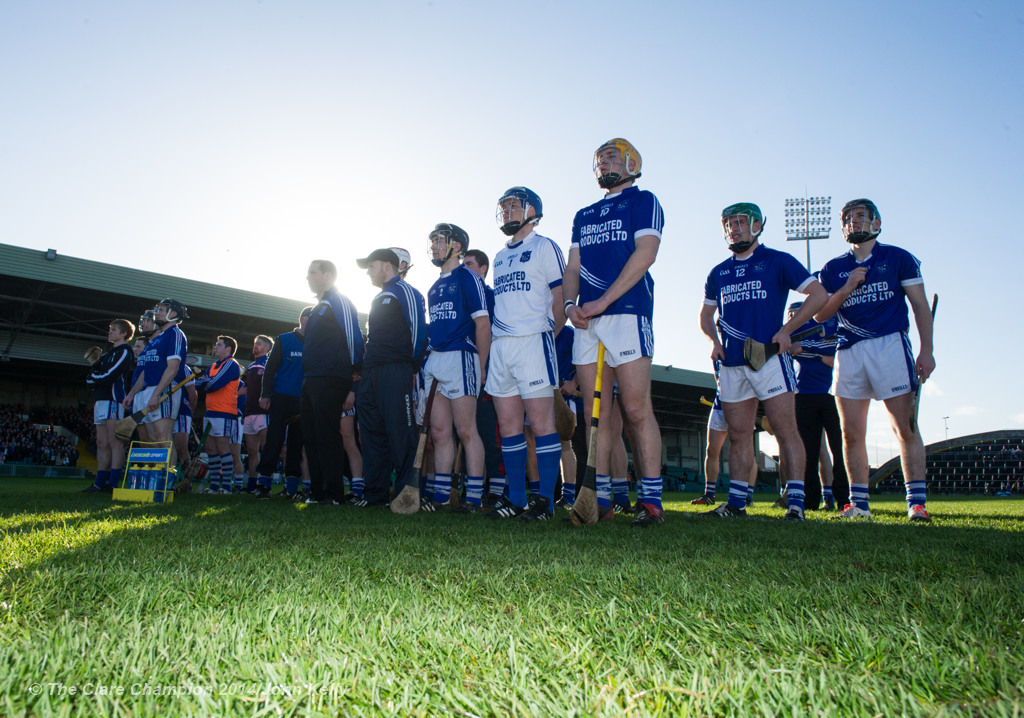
(626, 338)
(716, 421)
(252, 425)
(168, 408)
(522, 366)
(457, 373)
(105, 410)
(879, 368)
(739, 383)
(223, 426)
(183, 424)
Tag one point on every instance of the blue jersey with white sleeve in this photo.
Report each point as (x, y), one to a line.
(168, 344)
(814, 376)
(751, 296)
(525, 272)
(455, 301)
(605, 235)
(876, 308)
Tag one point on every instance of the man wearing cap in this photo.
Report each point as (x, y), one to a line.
(332, 352)
(279, 396)
(396, 339)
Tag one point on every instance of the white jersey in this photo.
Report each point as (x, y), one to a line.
(525, 272)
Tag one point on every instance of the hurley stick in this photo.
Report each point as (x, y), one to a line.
(584, 509)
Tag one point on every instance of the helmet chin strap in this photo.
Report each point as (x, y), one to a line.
(614, 179)
(740, 247)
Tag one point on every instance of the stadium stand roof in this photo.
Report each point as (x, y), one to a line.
(54, 306)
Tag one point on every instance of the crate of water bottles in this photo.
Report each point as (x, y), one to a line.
(147, 475)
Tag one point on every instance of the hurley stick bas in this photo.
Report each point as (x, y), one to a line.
(584, 509)
(124, 429)
(915, 407)
(425, 429)
(755, 354)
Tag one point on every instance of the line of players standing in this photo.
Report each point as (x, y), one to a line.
(505, 342)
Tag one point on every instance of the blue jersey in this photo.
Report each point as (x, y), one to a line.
(877, 307)
(751, 296)
(563, 350)
(184, 371)
(455, 301)
(525, 272)
(605, 235)
(813, 376)
(168, 344)
(287, 366)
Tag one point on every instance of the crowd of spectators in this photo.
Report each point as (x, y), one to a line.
(29, 437)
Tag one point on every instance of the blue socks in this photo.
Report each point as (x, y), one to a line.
(102, 478)
(549, 457)
(620, 490)
(826, 493)
(568, 493)
(795, 492)
(604, 491)
(474, 490)
(513, 451)
(651, 493)
(709, 488)
(859, 496)
(915, 493)
(738, 494)
(442, 488)
(291, 484)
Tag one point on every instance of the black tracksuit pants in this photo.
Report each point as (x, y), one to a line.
(322, 401)
(387, 427)
(815, 412)
(282, 408)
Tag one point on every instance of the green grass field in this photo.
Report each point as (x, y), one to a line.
(229, 606)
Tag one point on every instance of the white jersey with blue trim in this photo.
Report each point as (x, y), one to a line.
(454, 301)
(525, 272)
(877, 307)
(751, 296)
(605, 235)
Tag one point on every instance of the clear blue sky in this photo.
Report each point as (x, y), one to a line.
(234, 141)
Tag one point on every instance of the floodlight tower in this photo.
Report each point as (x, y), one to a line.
(808, 218)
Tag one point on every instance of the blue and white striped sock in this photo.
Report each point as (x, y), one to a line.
(227, 466)
(474, 490)
(497, 487)
(239, 481)
(213, 471)
(916, 493)
(738, 494)
(549, 458)
(826, 493)
(859, 496)
(604, 491)
(358, 485)
(709, 487)
(428, 484)
(291, 484)
(795, 492)
(568, 493)
(651, 491)
(513, 451)
(620, 490)
(750, 492)
(442, 488)
(307, 485)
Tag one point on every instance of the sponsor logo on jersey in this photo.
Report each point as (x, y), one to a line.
(386, 300)
(588, 211)
(525, 256)
(882, 267)
(621, 205)
(759, 267)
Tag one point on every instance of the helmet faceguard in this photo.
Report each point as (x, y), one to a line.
(612, 162)
(752, 212)
(449, 233)
(514, 200)
(147, 316)
(860, 226)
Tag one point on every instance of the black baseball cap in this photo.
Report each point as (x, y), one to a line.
(379, 255)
